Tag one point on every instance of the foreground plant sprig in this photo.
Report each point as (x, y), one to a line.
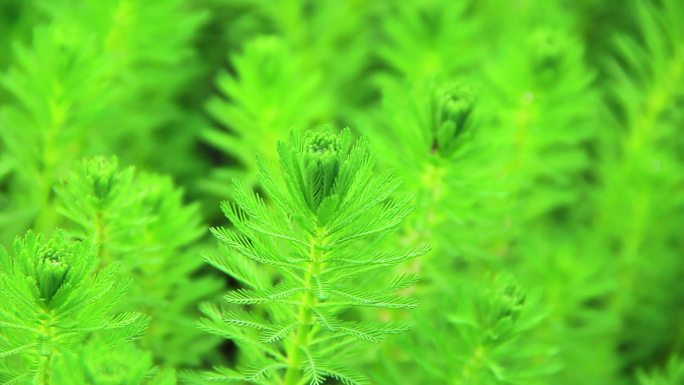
(141, 221)
(321, 239)
(53, 301)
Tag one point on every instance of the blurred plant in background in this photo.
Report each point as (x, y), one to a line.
(542, 143)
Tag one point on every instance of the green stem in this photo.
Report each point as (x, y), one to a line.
(472, 367)
(426, 219)
(644, 135)
(46, 352)
(100, 238)
(301, 339)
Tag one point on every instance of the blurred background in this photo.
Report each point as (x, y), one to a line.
(543, 140)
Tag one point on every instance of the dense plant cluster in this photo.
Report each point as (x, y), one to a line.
(181, 201)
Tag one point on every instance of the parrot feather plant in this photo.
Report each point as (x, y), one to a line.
(538, 143)
(55, 299)
(90, 65)
(321, 236)
(140, 220)
(642, 181)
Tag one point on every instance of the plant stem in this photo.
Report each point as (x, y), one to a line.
(300, 339)
(44, 374)
(100, 238)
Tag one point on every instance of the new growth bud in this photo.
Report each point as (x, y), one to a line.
(321, 165)
(501, 305)
(52, 269)
(102, 173)
(454, 110)
(510, 299)
(547, 53)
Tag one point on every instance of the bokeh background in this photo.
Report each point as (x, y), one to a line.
(544, 141)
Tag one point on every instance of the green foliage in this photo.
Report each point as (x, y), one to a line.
(97, 364)
(93, 67)
(321, 239)
(141, 221)
(672, 374)
(43, 129)
(271, 94)
(540, 143)
(448, 159)
(551, 93)
(54, 300)
(640, 171)
(445, 158)
(143, 44)
(16, 19)
(490, 326)
(289, 76)
(429, 38)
